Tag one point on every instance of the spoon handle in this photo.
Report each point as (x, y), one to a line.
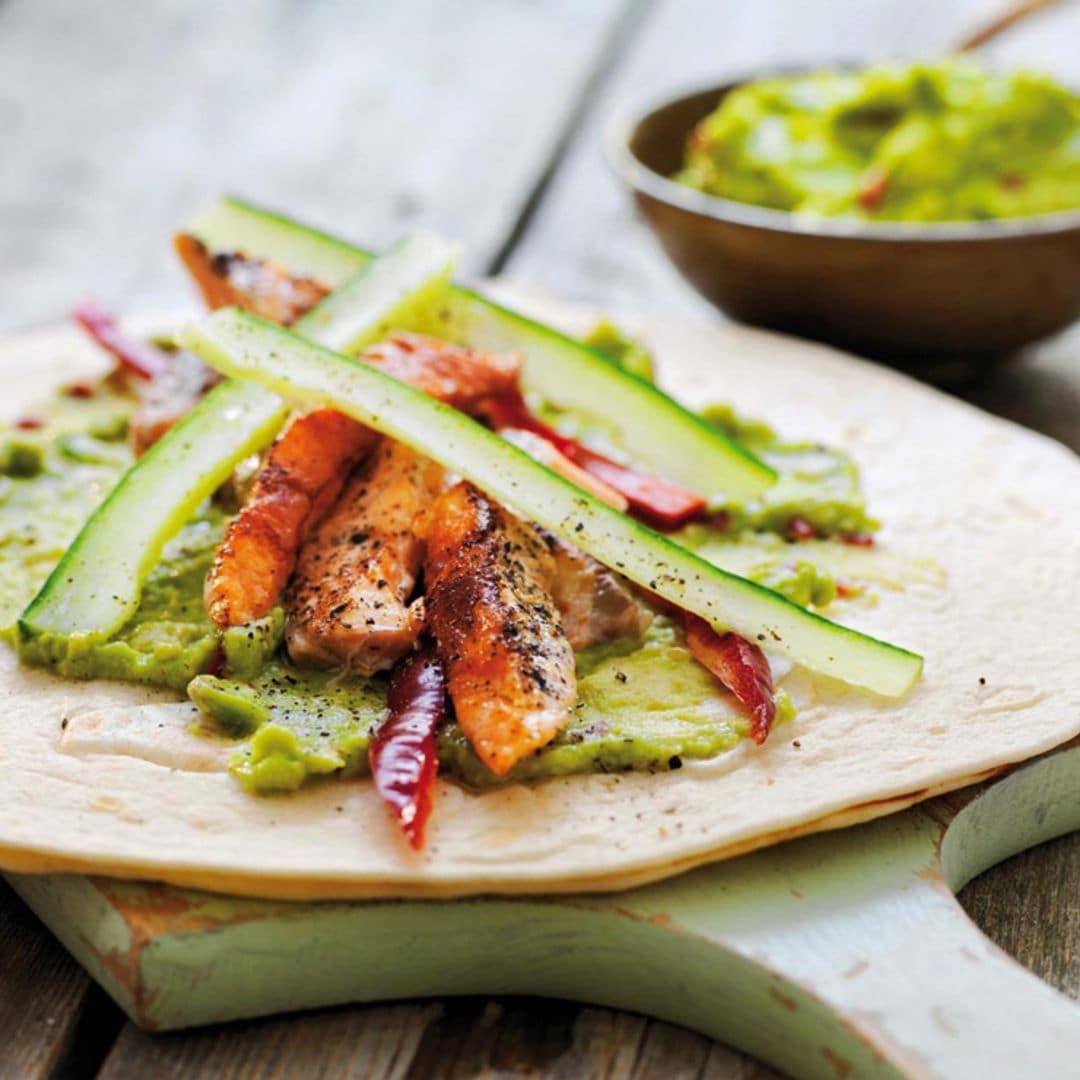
(1013, 14)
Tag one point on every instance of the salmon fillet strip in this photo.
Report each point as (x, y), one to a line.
(308, 466)
(302, 476)
(509, 666)
(256, 285)
(348, 602)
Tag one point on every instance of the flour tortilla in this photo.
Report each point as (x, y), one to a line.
(997, 508)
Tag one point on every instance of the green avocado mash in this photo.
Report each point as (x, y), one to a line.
(629, 354)
(818, 484)
(642, 705)
(944, 141)
(51, 478)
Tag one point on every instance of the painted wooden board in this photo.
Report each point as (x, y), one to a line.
(844, 954)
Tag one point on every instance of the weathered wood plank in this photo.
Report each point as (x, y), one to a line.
(371, 118)
(1030, 906)
(48, 1007)
(521, 1037)
(455, 1040)
(380, 1041)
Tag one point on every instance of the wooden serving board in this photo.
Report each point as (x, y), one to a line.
(840, 955)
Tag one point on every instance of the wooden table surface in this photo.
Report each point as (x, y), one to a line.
(481, 118)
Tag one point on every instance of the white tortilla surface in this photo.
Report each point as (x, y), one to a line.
(996, 507)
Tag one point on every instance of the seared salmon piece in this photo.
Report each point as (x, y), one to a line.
(509, 665)
(301, 478)
(348, 602)
(309, 464)
(451, 373)
(595, 604)
(257, 285)
(455, 375)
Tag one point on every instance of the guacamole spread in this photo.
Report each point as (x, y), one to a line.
(642, 705)
(945, 141)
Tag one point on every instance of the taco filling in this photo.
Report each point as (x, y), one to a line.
(382, 546)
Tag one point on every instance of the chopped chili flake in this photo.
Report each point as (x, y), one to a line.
(29, 423)
(858, 539)
(799, 528)
(873, 187)
(79, 390)
(216, 667)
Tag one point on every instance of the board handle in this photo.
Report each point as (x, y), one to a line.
(936, 998)
(861, 954)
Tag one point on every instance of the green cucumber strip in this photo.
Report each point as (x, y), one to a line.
(96, 586)
(387, 292)
(230, 226)
(245, 346)
(659, 432)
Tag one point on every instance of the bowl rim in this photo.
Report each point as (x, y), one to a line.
(632, 171)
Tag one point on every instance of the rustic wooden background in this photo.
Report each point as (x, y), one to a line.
(482, 118)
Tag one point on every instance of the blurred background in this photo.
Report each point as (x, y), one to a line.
(482, 118)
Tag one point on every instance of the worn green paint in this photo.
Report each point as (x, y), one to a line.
(841, 954)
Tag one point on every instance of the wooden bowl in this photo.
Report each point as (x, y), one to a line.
(946, 298)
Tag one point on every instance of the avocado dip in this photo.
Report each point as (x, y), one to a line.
(922, 142)
(642, 704)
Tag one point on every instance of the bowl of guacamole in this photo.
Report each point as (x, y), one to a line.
(925, 142)
(927, 213)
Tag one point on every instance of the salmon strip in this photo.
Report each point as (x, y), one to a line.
(257, 285)
(308, 466)
(596, 605)
(509, 665)
(348, 602)
(302, 476)
(455, 375)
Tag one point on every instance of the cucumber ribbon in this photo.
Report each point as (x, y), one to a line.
(244, 346)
